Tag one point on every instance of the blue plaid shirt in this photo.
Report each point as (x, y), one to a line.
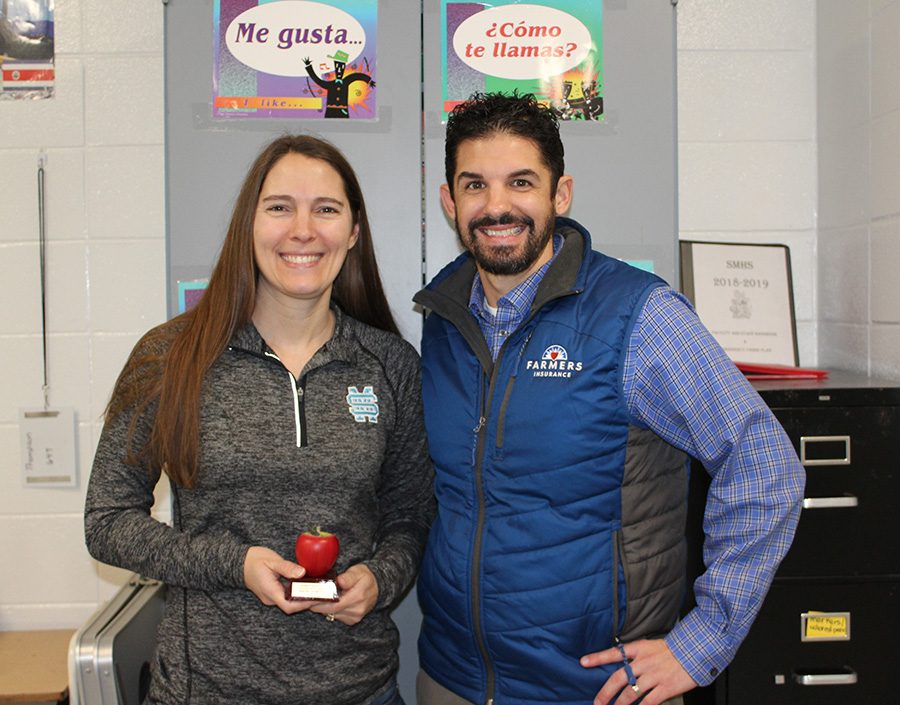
(512, 309)
(679, 382)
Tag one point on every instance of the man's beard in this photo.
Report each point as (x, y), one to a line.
(504, 260)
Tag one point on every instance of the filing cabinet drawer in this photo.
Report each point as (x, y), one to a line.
(843, 568)
(849, 656)
(851, 455)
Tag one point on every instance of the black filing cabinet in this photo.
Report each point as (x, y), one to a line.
(829, 629)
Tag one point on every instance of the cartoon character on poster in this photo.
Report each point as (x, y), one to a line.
(295, 59)
(553, 50)
(337, 89)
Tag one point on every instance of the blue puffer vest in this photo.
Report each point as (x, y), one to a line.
(560, 525)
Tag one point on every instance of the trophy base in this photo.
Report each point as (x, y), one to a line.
(324, 589)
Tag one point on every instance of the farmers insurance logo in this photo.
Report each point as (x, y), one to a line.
(554, 362)
(363, 404)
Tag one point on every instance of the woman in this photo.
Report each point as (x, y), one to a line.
(250, 404)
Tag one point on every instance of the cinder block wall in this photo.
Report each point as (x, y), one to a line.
(102, 135)
(789, 131)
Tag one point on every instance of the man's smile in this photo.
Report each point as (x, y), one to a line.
(503, 231)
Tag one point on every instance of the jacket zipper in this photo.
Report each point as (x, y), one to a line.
(299, 408)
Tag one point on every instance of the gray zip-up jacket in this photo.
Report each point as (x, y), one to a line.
(342, 448)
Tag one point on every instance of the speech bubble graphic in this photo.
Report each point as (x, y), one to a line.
(522, 41)
(275, 37)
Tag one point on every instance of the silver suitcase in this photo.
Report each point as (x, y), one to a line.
(109, 657)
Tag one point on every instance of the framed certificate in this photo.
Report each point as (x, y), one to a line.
(744, 296)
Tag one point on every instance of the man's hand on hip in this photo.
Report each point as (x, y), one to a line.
(656, 674)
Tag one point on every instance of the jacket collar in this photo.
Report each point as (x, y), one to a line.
(342, 346)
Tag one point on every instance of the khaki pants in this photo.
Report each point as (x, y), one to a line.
(429, 692)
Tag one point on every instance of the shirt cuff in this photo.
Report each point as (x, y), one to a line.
(701, 649)
(386, 595)
(236, 562)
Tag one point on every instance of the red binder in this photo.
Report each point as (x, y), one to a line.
(754, 370)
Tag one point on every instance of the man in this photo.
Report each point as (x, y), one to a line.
(562, 389)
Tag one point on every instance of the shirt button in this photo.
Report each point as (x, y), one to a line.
(713, 671)
(504, 333)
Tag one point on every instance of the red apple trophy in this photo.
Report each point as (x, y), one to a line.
(316, 551)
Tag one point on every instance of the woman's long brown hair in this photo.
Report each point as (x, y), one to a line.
(168, 366)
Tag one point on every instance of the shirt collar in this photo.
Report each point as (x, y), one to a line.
(520, 297)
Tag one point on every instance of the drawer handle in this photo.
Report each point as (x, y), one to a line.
(812, 440)
(847, 677)
(830, 502)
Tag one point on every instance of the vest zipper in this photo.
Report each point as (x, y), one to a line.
(477, 626)
(617, 554)
(482, 419)
(501, 422)
(480, 440)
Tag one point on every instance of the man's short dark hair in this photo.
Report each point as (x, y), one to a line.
(485, 114)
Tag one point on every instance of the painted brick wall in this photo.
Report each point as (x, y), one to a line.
(747, 133)
(102, 135)
(789, 128)
(859, 184)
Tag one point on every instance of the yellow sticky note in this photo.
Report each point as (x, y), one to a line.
(827, 625)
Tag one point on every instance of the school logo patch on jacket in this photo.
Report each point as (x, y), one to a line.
(363, 404)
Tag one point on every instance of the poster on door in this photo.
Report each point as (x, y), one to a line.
(26, 49)
(291, 59)
(552, 49)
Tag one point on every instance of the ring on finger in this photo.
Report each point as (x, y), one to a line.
(329, 617)
(636, 688)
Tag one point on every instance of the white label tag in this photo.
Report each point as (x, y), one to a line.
(319, 590)
(47, 443)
